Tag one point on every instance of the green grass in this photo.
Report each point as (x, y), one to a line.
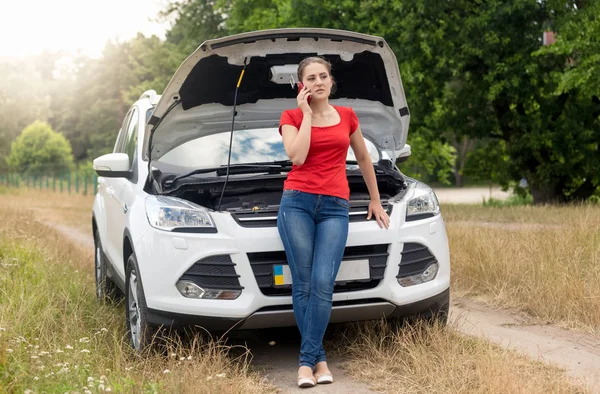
(55, 337)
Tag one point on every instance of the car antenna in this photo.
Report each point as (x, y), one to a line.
(237, 87)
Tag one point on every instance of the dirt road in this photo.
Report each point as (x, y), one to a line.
(469, 195)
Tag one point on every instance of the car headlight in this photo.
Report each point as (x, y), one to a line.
(175, 214)
(422, 204)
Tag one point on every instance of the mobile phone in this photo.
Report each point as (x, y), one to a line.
(300, 87)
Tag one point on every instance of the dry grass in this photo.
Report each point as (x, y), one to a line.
(544, 215)
(74, 210)
(550, 271)
(55, 336)
(436, 360)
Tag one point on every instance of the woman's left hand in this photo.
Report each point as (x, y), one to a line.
(375, 209)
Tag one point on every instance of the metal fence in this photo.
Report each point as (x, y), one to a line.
(69, 183)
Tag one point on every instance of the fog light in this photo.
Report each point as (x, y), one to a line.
(427, 275)
(191, 290)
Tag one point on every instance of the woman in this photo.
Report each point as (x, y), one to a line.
(313, 215)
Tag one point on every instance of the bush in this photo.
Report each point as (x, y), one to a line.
(39, 150)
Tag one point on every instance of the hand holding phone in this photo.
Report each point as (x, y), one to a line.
(300, 87)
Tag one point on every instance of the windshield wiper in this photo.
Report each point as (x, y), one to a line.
(237, 168)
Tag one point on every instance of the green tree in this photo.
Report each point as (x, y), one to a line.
(39, 150)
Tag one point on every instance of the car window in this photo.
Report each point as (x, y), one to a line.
(131, 139)
(149, 113)
(122, 133)
(249, 146)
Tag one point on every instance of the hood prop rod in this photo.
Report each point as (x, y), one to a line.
(237, 87)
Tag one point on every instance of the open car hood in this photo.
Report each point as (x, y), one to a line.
(199, 98)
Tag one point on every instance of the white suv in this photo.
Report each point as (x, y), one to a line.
(195, 241)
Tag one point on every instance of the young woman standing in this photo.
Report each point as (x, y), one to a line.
(313, 216)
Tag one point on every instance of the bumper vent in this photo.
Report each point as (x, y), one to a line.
(415, 260)
(268, 217)
(214, 272)
(262, 265)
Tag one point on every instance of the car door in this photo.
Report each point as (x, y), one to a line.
(121, 190)
(106, 192)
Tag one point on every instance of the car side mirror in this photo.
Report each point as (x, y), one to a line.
(405, 153)
(113, 165)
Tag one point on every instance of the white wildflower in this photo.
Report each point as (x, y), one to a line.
(101, 387)
(189, 357)
(59, 351)
(181, 358)
(84, 351)
(69, 347)
(9, 350)
(90, 379)
(108, 389)
(36, 378)
(2, 329)
(87, 392)
(37, 347)
(209, 378)
(166, 371)
(43, 353)
(102, 377)
(220, 375)
(84, 340)
(34, 357)
(173, 355)
(128, 368)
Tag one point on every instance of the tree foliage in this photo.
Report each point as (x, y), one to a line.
(39, 150)
(488, 100)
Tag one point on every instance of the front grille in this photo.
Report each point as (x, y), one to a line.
(415, 260)
(267, 217)
(214, 272)
(262, 265)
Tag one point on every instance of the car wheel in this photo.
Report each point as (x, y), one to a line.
(141, 334)
(106, 290)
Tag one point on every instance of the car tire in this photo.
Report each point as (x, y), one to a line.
(141, 334)
(106, 289)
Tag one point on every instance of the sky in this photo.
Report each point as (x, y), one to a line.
(31, 26)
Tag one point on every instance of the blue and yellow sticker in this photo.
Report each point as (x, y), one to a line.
(278, 274)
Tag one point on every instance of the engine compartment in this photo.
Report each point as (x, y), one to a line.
(245, 196)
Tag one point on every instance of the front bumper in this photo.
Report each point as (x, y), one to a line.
(284, 317)
(163, 258)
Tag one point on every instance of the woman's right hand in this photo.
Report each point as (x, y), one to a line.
(303, 100)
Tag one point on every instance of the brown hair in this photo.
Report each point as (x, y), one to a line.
(315, 59)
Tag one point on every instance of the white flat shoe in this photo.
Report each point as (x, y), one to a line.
(306, 382)
(325, 378)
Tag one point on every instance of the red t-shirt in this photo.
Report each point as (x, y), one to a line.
(324, 170)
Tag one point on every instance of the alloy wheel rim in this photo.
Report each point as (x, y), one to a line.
(134, 311)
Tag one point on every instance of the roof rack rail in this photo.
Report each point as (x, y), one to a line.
(151, 94)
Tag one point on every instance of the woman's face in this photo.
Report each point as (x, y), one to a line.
(317, 79)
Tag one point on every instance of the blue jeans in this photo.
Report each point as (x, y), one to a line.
(314, 230)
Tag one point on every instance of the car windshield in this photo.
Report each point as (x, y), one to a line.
(249, 146)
